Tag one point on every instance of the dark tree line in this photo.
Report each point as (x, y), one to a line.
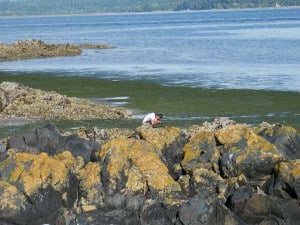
(225, 4)
(39, 7)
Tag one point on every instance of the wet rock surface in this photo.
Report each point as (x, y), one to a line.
(217, 173)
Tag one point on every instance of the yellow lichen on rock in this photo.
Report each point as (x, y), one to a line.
(120, 152)
(289, 170)
(38, 171)
(270, 130)
(232, 134)
(260, 146)
(256, 142)
(90, 178)
(205, 178)
(160, 138)
(90, 184)
(9, 195)
(154, 170)
(192, 149)
(136, 181)
(67, 159)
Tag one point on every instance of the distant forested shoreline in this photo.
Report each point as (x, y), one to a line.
(55, 7)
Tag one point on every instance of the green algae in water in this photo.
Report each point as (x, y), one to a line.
(181, 106)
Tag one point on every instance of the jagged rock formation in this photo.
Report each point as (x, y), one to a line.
(17, 100)
(219, 173)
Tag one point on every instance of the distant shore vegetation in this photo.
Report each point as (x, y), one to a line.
(55, 7)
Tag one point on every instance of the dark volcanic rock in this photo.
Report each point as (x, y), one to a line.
(49, 139)
(229, 174)
(286, 139)
(115, 217)
(259, 208)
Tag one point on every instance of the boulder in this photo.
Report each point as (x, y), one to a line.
(244, 152)
(49, 139)
(201, 152)
(169, 143)
(286, 182)
(258, 208)
(286, 139)
(205, 210)
(128, 163)
(36, 188)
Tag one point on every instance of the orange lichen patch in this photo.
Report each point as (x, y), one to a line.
(288, 130)
(142, 155)
(288, 169)
(257, 143)
(232, 134)
(90, 179)
(119, 149)
(8, 198)
(237, 182)
(296, 169)
(259, 146)
(160, 138)
(22, 161)
(193, 148)
(66, 158)
(90, 175)
(38, 171)
(135, 181)
(154, 170)
(270, 131)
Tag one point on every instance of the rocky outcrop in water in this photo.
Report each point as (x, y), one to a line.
(218, 173)
(18, 101)
(32, 48)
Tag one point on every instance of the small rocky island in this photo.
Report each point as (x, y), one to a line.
(215, 173)
(32, 48)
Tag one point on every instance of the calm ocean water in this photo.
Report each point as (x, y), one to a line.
(234, 49)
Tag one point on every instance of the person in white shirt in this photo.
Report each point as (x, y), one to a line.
(153, 118)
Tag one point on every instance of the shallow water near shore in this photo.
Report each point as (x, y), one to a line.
(257, 49)
(191, 66)
(181, 106)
